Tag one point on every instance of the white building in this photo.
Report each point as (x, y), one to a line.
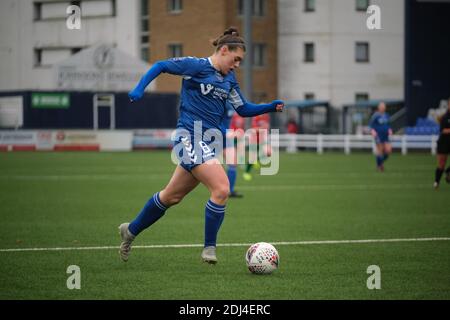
(34, 36)
(326, 51)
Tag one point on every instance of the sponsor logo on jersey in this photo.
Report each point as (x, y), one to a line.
(218, 93)
(206, 89)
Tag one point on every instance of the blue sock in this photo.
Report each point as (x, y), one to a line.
(214, 215)
(231, 172)
(385, 157)
(379, 160)
(152, 211)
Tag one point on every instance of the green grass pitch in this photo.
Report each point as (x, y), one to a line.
(50, 200)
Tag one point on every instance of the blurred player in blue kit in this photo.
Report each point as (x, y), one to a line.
(208, 84)
(381, 130)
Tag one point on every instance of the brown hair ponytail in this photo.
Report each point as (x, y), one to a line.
(231, 39)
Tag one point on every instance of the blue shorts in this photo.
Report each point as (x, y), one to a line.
(191, 150)
(382, 138)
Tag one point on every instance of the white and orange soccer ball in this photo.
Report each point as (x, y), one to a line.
(262, 258)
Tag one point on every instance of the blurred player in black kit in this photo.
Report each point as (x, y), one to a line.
(443, 148)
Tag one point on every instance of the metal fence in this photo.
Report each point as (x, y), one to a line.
(319, 142)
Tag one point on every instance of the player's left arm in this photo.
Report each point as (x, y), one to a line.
(248, 109)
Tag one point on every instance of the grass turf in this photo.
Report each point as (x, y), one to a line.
(79, 199)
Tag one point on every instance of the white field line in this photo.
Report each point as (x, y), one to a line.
(338, 187)
(280, 243)
(260, 188)
(84, 177)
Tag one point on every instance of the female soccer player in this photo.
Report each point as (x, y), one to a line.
(208, 83)
(381, 130)
(443, 148)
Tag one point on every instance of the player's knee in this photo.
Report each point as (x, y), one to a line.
(171, 199)
(221, 193)
(175, 199)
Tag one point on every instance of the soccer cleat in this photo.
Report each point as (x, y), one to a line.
(235, 194)
(127, 239)
(209, 255)
(435, 185)
(247, 176)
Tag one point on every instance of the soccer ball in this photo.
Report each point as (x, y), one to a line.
(262, 258)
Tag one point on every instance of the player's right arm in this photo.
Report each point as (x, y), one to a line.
(248, 109)
(186, 66)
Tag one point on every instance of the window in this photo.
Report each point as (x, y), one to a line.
(144, 39)
(145, 53)
(37, 57)
(37, 10)
(240, 7)
(144, 24)
(361, 5)
(258, 7)
(114, 8)
(310, 5)
(175, 50)
(361, 96)
(145, 31)
(97, 8)
(310, 96)
(46, 57)
(309, 52)
(362, 52)
(43, 10)
(144, 7)
(175, 6)
(75, 50)
(52, 10)
(76, 3)
(259, 55)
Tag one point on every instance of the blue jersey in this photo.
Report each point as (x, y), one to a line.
(380, 123)
(204, 92)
